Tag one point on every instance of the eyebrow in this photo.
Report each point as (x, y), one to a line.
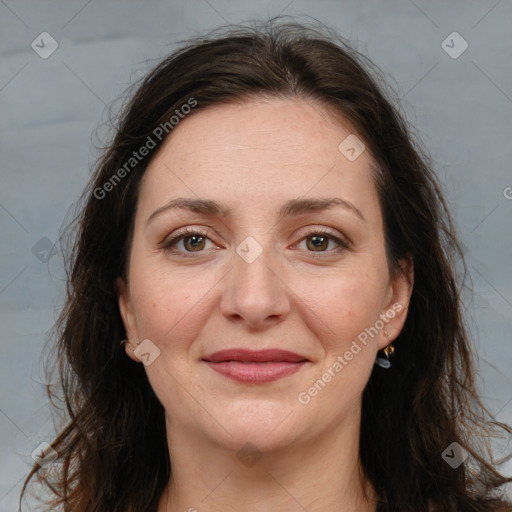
(294, 207)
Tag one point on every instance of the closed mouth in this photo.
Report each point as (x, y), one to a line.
(251, 356)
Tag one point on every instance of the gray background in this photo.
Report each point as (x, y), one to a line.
(461, 108)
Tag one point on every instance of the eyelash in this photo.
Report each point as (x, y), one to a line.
(167, 245)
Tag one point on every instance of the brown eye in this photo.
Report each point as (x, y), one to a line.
(186, 243)
(323, 243)
(196, 243)
(318, 243)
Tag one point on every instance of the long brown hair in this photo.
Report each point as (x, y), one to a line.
(113, 450)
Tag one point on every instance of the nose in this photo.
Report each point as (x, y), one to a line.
(255, 293)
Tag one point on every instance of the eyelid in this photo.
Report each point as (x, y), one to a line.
(178, 235)
(344, 240)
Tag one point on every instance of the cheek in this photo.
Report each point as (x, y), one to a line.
(170, 309)
(345, 305)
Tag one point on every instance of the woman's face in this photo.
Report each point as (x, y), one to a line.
(263, 267)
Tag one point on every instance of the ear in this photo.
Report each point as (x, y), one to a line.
(128, 317)
(397, 301)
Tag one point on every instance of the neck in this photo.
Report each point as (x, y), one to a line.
(323, 474)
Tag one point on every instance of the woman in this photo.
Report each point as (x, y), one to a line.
(263, 312)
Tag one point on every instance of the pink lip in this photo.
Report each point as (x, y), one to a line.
(254, 356)
(255, 372)
(255, 366)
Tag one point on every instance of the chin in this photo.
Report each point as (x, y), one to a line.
(261, 423)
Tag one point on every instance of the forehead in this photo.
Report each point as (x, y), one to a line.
(270, 125)
(257, 150)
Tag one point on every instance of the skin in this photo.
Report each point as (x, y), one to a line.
(253, 157)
